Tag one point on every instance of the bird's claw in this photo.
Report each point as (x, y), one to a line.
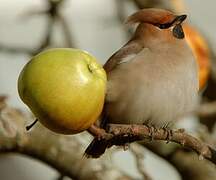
(169, 135)
(126, 146)
(152, 132)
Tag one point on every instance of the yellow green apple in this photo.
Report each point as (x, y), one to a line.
(64, 88)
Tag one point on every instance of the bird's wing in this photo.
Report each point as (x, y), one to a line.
(125, 54)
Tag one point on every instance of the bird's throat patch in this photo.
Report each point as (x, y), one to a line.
(178, 31)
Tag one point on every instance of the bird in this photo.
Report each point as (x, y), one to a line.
(153, 78)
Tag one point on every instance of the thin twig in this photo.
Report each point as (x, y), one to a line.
(139, 157)
(121, 16)
(53, 13)
(66, 30)
(64, 153)
(10, 49)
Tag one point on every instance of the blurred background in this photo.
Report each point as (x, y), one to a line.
(29, 26)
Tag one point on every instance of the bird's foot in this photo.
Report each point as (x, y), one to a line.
(169, 134)
(126, 146)
(152, 132)
(97, 132)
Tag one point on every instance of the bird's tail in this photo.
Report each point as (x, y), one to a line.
(96, 148)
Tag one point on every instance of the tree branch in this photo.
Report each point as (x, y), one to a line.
(52, 11)
(64, 153)
(119, 134)
(139, 157)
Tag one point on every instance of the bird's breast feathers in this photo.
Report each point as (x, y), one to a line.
(142, 88)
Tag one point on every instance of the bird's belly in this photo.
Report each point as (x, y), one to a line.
(156, 99)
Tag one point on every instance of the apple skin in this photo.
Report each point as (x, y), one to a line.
(64, 88)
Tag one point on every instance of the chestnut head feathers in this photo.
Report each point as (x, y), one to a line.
(160, 18)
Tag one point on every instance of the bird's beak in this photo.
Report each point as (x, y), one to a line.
(180, 19)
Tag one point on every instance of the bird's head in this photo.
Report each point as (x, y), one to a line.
(160, 18)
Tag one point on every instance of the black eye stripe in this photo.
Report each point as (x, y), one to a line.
(178, 19)
(165, 26)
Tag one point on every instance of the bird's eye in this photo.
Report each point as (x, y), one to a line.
(178, 31)
(177, 21)
(164, 26)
